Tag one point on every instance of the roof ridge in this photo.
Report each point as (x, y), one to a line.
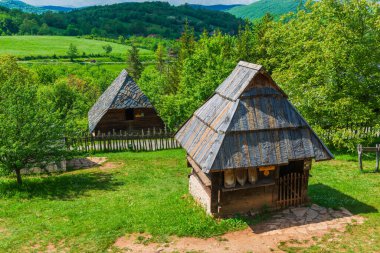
(250, 65)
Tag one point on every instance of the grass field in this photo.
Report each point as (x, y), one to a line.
(87, 210)
(49, 45)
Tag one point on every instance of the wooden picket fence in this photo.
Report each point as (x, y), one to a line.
(352, 133)
(291, 190)
(149, 140)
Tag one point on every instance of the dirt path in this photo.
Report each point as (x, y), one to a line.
(301, 224)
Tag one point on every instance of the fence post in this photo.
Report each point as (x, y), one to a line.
(360, 154)
(377, 157)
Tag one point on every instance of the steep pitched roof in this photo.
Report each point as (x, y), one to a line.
(121, 94)
(249, 122)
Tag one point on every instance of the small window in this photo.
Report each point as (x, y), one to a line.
(129, 114)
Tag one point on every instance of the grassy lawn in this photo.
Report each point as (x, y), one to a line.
(58, 45)
(87, 210)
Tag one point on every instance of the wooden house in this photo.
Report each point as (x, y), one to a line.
(123, 106)
(248, 147)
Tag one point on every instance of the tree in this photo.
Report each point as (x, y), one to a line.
(44, 29)
(135, 66)
(29, 27)
(327, 60)
(72, 52)
(160, 58)
(121, 39)
(31, 133)
(187, 42)
(107, 49)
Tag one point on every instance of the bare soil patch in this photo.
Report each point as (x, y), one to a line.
(111, 165)
(295, 225)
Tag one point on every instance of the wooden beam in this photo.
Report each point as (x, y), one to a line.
(360, 153)
(377, 157)
(202, 176)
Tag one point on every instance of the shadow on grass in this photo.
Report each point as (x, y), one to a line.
(327, 196)
(62, 187)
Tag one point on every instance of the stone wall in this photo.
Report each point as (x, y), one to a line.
(73, 164)
(199, 193)
(84, 163)
(53, 167)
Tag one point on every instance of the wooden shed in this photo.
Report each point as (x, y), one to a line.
(248, 147)
(123, 106)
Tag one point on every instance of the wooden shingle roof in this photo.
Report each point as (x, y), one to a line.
(123, 93)
(249, 122)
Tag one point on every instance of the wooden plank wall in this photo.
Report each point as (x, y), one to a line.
(150, 140)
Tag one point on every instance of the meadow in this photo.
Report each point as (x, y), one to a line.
(87, 210)
(21, 46)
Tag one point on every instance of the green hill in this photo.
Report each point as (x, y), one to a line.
(126, 19)
(258, 9)
(18, 5)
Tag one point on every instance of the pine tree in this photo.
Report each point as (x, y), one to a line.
(160, 58)
(135, 66)
(187, 42)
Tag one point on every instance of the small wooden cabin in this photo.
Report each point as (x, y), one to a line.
(123, 106)
(248, 146)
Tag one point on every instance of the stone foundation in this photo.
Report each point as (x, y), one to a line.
(199, 193)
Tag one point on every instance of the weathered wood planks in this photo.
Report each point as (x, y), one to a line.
(123, 141)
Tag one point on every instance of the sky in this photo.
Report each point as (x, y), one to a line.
(82, 3)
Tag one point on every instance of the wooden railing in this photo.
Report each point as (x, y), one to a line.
(292, 190)
(149, 140)
(362, 149)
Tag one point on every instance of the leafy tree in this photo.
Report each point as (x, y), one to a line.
(31, 133)
(8, 26)
(72, 52)
(327, 59)
(29, 27)
(44, 29)
(107, 49)
(135, 66)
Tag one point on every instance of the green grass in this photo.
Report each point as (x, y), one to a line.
(49, 45)
(87, 210)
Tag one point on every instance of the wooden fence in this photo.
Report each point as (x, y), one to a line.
(292, 190)
(123, 141)
(352, 133)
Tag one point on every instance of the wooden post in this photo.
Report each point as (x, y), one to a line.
(360, 154)
(377, 157)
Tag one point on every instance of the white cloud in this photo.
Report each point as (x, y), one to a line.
(82, 3)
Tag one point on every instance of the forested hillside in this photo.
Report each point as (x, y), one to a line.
(15, 4)
(150, 18)
(258, 9)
